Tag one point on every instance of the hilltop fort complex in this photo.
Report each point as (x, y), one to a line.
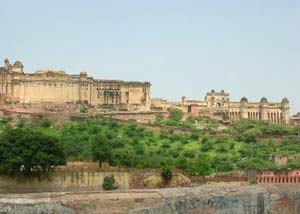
(58, 87)
(217, 105)
(50, 86)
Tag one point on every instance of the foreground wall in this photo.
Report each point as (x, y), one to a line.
(86, 176)
(280, 199)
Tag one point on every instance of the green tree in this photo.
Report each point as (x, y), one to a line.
(27, 151)
(207, 147)
(21, 122)
(251, 135)
(199, 167)
(222, 164)
(84, 109)
(158, 119)
(45, 123)
(109, 183)
(176, 114)
(101, 149)
(167, 174)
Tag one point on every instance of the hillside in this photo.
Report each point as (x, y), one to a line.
(203, 150)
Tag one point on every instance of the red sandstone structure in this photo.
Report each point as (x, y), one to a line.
(278, 176)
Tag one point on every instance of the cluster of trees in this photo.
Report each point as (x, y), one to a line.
(244, 129)
(175, 119)
(133, 146)
(27, 151)
(34, 149)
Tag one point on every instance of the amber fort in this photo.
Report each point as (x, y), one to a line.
(56, 86)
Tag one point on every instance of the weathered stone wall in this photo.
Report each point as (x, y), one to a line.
(145, 118)
(77, 176)
(281, 199)
(63, 181)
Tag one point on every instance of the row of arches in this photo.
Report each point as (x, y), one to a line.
(109, 96)
(254, 115)
(275, 179)
(275, 117)
(272, 117)
(234, 116)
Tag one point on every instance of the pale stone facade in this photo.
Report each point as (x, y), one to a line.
(58, 87)
(217, 105)
(295, 120)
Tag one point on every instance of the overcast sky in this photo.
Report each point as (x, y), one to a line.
(183, 47)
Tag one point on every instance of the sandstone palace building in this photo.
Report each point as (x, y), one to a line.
(217, 105)
(58, 87)
(52, 86)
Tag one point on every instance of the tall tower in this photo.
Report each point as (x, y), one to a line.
(17, 67)
(83, 88)
(244, 108)
(264, 109)
(6, 64)
(147, 94)
(285, 111)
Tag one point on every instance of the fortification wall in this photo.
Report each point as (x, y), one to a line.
(78, 176)
(38, 92)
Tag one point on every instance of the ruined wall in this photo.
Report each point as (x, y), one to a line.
(145, 118)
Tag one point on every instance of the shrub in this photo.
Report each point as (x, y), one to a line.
(165, 144)
(181, 163)
(202, 166)
(251, 135)
(158, 119)
(84, 109)
(45, 123)
(221, 149)
(221, 140)
(222, 164)
(109, 183)
(175, 154)
(21, 122)
(166, 174)
(176, 114)
(205, 139)
(207, 147)
(189, 153)
(231, 146)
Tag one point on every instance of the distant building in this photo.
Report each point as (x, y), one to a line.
(278, 176)
(53, 86)
(217, 105)
(295, 120)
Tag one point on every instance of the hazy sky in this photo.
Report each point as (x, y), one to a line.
(183, 47)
